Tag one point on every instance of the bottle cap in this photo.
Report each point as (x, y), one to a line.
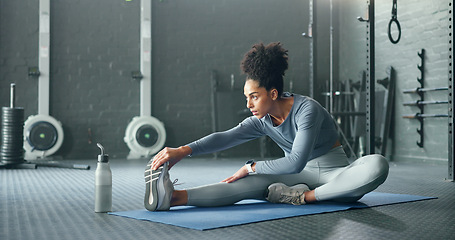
(102, 157)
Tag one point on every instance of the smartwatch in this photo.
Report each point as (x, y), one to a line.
(249, 165)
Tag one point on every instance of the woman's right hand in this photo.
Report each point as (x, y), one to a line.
(171, 155)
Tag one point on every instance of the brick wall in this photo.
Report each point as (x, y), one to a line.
(424, 26)
(18, 52)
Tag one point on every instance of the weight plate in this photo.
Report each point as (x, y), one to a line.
(13, 161)
(19, 155)
(11, 156)
(6, 146)
(13, 132)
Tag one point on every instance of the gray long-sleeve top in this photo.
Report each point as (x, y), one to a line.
(306, 133)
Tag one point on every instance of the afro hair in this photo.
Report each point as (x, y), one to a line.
(266, 65)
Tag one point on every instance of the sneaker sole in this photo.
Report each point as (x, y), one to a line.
(151, 186)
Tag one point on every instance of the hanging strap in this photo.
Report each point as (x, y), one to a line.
(394, 20)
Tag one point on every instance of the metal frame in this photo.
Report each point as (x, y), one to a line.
(313, 46)
(146, 58)
(44, 57)
(43, 74)
(370, 87)
(145, 76)
(421, 80)
(312, 30)
(451, 98)
(389, 101)
(331, 58)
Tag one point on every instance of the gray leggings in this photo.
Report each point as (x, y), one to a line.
(330, 175)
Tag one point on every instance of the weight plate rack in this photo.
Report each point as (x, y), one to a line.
(12, 128)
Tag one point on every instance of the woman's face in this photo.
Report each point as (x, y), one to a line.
(258, 99)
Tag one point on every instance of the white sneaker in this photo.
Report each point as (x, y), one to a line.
(158, 188)
(280, 193)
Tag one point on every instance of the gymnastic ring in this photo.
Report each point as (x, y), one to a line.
(390, 32)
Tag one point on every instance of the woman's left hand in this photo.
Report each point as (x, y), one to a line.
(241, 173)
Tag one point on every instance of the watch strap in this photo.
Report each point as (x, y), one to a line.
(249, 166)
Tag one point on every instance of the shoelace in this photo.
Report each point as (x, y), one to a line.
(295, 199)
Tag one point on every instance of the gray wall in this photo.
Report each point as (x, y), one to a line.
(95, 46)
(424, 25)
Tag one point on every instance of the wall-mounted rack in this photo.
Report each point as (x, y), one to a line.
(421, 103)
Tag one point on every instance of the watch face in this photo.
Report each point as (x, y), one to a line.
(249, 162)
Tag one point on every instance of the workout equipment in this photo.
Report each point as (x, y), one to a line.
(330, 92)
(43, 133)
(145, 135)
(312, 35)
(421, 116)
(421, 89)
(11, 151)
(350, 113)
(451, 98)
(370, 78)
(251, 211)
(331, 56)
(394, 20)
(370, 84)
(387, 109)
(421, 103)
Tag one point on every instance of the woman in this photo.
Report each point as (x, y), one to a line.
(314, 168)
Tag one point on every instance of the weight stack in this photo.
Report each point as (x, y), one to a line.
(12, 129)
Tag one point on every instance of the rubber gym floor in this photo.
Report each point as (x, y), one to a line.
(58, 203)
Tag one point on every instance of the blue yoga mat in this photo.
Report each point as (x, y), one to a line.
(251, 211)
